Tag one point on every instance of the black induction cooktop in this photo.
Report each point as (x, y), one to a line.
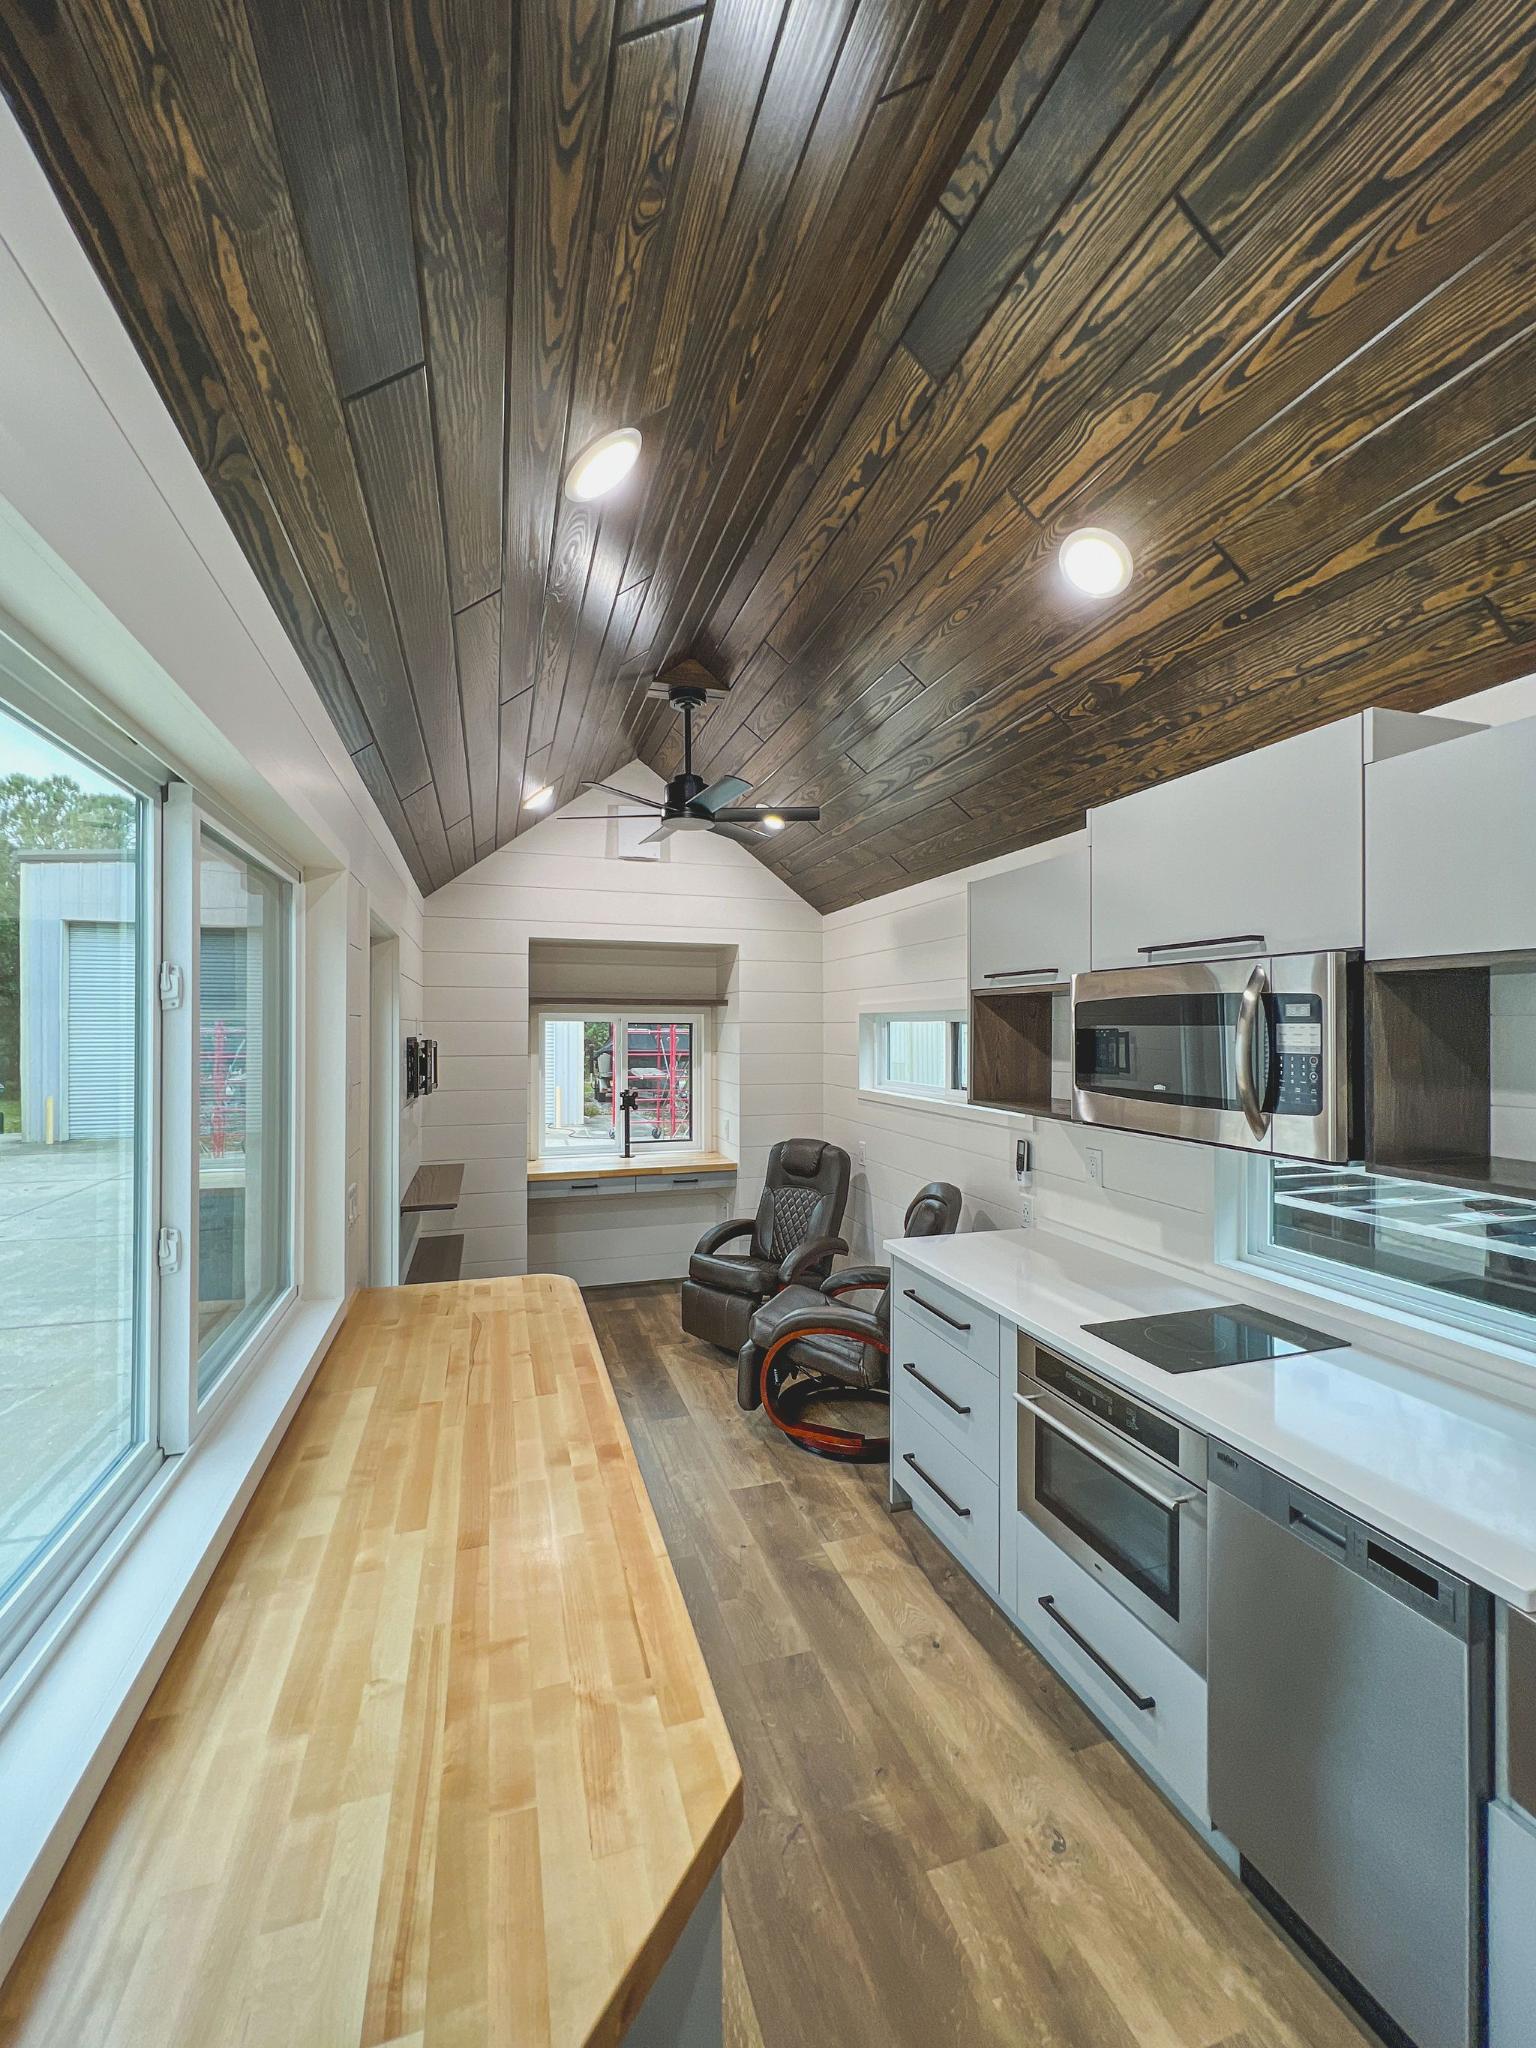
(1198, 1339)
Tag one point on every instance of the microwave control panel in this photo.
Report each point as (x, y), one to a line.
(1299, 1048)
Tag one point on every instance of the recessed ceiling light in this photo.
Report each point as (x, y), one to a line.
(772, 822)
(541, 798)
(602, 464)
(1096, 561)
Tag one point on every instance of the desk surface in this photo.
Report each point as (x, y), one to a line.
(639, 1168)
(437, 1759)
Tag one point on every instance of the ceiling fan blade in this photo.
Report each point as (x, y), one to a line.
(628, 795)
(720, 794)
(754, 814)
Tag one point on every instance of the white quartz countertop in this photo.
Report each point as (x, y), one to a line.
(1451, 1472)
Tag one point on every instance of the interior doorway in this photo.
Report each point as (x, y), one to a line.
(384, 1107)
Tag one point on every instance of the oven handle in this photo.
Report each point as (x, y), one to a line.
(1247, 1017)
(1170, 1502)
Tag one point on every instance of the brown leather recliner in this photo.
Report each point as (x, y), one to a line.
(804, 1335)
(793, 1237)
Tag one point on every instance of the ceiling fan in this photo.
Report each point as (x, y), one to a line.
(692, 805)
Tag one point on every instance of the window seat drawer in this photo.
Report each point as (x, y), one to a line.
(948, 1389)
(949, 1494)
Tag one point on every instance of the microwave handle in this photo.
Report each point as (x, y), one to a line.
(1248, 1013)
(1169, 1502)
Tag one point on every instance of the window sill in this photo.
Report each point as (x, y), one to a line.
(72, 1698)
(946, 1105)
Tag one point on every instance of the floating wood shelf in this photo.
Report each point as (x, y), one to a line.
(432, 1187)
(1011, 1045)
(435, 1258)
(629, 1169)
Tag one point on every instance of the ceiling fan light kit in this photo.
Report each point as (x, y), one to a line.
(691, 804)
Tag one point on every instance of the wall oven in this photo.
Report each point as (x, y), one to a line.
(1120, 1487)
(1254, 1052)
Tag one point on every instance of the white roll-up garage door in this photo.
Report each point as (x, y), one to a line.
(101, 1030)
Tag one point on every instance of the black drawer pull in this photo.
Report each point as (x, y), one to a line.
(913, 1295)
(923, 1381)
(1012, 973)
(1198, 945)
(948, 1499)
(583, 1187)
(1142, 1701)
(679, 1181)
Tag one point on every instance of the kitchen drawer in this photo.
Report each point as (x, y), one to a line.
(664, 1183)
(948, 1389)
(946, 1313)
(1169, 1736)
(956, 1500)
(563, 1190)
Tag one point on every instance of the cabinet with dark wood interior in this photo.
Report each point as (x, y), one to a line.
(1432, 1081)
(1014, 1033)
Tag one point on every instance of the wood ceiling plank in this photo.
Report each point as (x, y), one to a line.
(329, 72)
(570, 566)
(1056, 28)
(636, 16)
(1112, 62)
(477, 653)
(1330, 75)
(601, 712)
(515, 714)
(563, 61)
(455, 62)
(743, 35)
(392, 427)
(425, 816)
(754, 683)
(852, 228)
(729, 638)
(369, 764)
(919, 52)
(246, 504)
(183, 78)
(781, 764)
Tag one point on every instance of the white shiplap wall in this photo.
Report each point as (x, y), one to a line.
(561, 881)
(907, 951)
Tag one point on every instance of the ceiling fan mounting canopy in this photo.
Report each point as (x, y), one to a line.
(692, 804)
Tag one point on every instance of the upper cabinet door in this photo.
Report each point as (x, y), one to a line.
(1262, 853)
(1029, 927)
(1451, 847)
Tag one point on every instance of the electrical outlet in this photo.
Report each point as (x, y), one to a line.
(1096, 1166)
(352, 1202)
(1027, 1213)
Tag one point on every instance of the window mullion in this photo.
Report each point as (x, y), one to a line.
(179, 1069)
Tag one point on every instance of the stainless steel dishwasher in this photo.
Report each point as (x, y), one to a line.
(1350, 1745)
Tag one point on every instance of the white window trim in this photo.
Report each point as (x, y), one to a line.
(874, 1089)
(704, 1105)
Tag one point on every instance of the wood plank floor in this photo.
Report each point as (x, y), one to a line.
(940, 1845)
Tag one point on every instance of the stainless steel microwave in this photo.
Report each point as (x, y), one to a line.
(1256, 1053)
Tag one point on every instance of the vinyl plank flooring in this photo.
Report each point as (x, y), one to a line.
(940, 1843)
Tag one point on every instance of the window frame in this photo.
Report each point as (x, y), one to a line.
(1247, 1245)
(185, 1410)
(874, 1027)
(25, 697)
(622, 1016)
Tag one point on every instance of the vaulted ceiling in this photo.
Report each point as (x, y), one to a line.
(899, 292)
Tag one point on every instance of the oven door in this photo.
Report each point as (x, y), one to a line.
(1131, 1520)
(1182, 1050)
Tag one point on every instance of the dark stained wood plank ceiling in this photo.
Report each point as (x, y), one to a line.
(899, 292)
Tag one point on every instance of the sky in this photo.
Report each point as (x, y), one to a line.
(24, 752)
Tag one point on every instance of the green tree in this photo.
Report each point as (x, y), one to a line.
(49, 814)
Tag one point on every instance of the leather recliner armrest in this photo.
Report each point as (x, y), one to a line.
(722, 1233)
(804, 1261)
(855, 1279)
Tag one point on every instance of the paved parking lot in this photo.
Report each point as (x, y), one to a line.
(66, 1322)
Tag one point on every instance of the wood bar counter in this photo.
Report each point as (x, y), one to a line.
(437, 1760)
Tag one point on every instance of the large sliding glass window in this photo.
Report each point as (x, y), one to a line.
(77, 918)
(244, 924)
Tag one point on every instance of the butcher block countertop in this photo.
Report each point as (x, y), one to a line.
(437, 1759)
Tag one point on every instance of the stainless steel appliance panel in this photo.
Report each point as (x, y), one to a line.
(1254, 1053)
(1120, 1488)
(1348, 1740)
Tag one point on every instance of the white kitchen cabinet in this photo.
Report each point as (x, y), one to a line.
(1029, 927)
(1450, 838)
(1262, 853)
(1511, 1919)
